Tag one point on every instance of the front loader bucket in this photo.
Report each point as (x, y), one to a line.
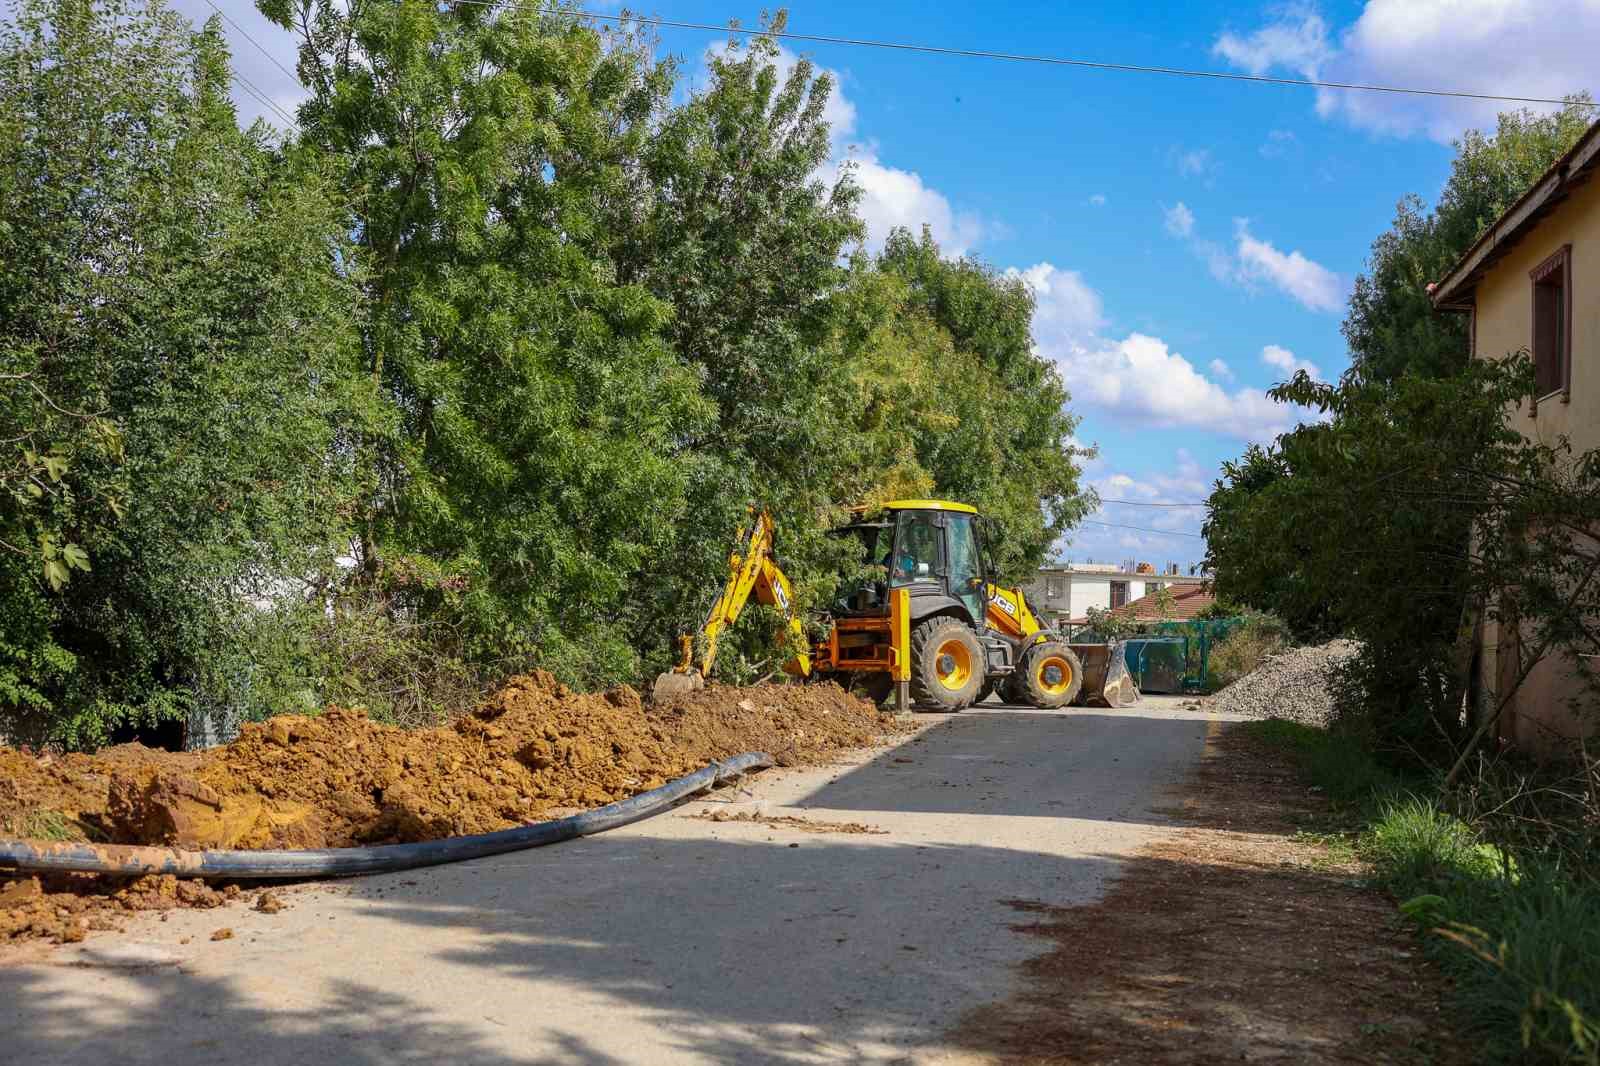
(1106, 681)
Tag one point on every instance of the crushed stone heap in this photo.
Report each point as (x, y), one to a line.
(1294, 684)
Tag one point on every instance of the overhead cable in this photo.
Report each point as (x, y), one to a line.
(1057, 61)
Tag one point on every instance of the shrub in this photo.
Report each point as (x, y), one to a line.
(1242, 650)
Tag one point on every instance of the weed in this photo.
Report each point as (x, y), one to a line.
(41, 823)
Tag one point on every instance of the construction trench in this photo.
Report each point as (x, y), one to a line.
(532, 755)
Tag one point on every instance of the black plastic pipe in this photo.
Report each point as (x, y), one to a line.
(45, 857)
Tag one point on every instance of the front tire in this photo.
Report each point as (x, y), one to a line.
(1049, 676)
(947, 664)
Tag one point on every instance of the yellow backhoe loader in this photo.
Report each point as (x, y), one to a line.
(930, 627)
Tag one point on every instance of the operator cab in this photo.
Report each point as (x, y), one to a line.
(931, 547)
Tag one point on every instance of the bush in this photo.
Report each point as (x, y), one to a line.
(1242, 650)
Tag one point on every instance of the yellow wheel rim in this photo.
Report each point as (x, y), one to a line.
(1054, 674)
(953, 663)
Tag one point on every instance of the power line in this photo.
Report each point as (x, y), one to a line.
(1057, 61)
(265, 100)
(249, 86)
(1141, 528)
(259, 46)
(1142, 503)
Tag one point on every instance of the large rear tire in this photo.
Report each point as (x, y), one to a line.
(1049, 676)
(947, 664)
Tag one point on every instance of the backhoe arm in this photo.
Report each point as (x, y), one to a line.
(750, 569)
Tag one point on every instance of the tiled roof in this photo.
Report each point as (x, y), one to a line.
(1186, 603)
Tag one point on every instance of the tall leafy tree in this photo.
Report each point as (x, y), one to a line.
(1391, 326)
(172, 326)
(527, 472)
(1006, 444)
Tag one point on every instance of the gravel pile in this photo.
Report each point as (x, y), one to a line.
(1293, 685)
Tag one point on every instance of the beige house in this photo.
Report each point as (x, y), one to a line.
(1532, 281)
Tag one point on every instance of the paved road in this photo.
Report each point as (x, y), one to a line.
(676, 940)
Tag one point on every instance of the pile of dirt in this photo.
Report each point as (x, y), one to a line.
(1296, 684)
(65, 908)
(533, 749)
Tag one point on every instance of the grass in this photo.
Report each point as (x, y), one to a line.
(1518, 933)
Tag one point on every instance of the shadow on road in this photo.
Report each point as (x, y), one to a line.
(674, 940)
(615, 948)
(996, 760)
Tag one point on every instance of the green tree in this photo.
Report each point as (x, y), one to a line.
(1004, 440)
(733, 228)
(1402, 519)
(172, 311)
(527, 472)
(1391, 326)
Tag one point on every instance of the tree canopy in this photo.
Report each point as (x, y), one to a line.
(476, 369)
(1402, 516)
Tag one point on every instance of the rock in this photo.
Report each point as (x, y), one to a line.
(269, 903)
(222, 934)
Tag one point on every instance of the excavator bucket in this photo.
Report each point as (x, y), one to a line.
(685, 677)
(1106, 681)
(672, 684)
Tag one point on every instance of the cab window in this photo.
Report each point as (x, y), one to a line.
(919, 549)
(966, 571)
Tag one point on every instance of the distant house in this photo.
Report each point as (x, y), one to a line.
(1532, 281)
(1065, 592)
(1180, 604)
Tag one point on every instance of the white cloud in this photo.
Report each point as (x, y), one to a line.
(1283, 359)
(1278, 143)
(1097, 200)
(1253, 260)
(1179, 220)
(1194, 162)
(893, 197)
(1140, 378)
(1220, 370)
(1298, 41)
(1067, 312)
(1164, 534)
(890, 196)
(1312, 284)
(1506, 47)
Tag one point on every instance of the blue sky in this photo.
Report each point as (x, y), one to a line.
(1190, 242)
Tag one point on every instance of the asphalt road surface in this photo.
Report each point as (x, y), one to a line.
(681, 939)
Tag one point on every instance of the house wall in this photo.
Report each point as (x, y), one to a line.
(1081, 591)
(1540, 718)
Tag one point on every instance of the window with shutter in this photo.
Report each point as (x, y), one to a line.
(1552, 325)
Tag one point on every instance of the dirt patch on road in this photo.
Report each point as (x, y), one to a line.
(790, 821)
(1237, 939)
(339, 779)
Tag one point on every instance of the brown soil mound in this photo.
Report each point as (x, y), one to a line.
(340, 779)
